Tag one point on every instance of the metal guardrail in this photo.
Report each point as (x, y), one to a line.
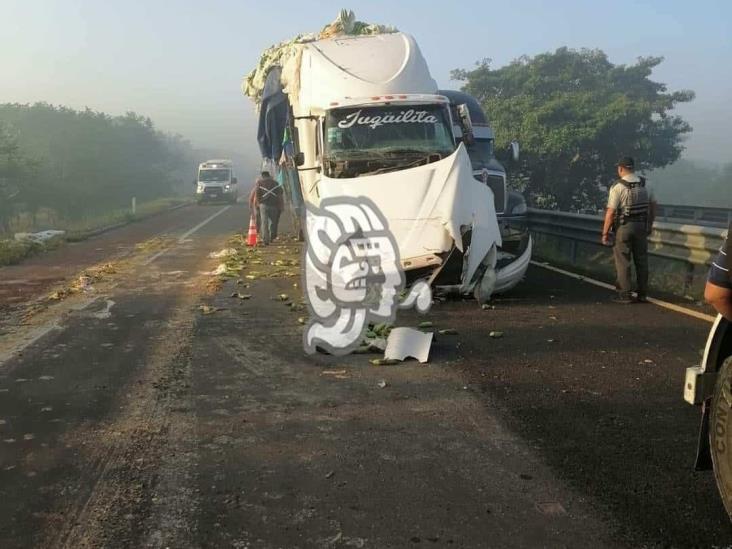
(693, 244)
(694, 215)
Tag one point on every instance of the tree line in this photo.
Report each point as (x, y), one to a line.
(693, 183)
(72, 163)
(574, 114)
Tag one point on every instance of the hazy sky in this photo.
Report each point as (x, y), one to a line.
(181, 62)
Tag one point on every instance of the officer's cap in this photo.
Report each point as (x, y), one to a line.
(626, 162)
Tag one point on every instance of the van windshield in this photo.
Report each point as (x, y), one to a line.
(370, 140)
(213, 175)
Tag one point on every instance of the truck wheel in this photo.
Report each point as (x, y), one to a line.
(720, 433)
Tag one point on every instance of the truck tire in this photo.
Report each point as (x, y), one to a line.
(720, 433)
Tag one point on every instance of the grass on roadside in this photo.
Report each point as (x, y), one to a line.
(13, 251)
(82, 230)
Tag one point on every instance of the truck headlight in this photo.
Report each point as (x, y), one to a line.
(200, 188)
(227, 187)
(519, 209)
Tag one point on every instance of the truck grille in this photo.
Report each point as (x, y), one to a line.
(497, 184)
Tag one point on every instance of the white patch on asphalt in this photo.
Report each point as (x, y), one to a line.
(106, 312)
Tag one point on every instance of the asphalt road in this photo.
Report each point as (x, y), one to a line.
(152, 409)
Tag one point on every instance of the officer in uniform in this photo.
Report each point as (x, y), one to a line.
(718, 291)
(630, 212)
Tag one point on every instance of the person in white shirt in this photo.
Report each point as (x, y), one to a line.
(630, 212)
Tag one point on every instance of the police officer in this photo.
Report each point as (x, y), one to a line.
(718, 291)
(269, 199)
(630, 211)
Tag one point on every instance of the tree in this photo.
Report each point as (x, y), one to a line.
(83, 163)
(574, 114)
(10, 175)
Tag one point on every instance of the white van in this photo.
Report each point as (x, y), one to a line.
(216, 182)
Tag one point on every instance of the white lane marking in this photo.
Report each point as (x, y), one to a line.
(188, 233)
(202, 224)
(29, 338)
(658, 302)
(154, 257)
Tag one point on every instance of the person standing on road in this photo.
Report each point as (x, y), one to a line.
(269, 198)
(718, 291)
(630, 211)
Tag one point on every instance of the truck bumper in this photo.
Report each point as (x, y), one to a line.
(511, 274)
(698, 385)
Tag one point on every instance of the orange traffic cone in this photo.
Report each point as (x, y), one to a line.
(252, 235)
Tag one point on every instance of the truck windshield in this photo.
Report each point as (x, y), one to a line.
(370, 140)
(481, 152)
(213, 175)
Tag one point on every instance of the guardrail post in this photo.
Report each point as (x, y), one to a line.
(688, 278)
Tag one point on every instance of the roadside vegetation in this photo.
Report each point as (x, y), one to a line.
(78, 171)
(574, 114)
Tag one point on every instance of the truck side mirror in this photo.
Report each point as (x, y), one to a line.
(299, 159)
(514, 146)
(466, 124)
(234, 181)
(195, 182)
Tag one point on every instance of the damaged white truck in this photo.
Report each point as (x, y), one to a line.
(366, 120)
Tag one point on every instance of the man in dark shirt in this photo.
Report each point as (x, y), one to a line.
(718, 291)
(269, 199)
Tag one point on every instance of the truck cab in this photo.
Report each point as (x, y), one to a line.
(216, 182)
(368, 123)
(510, 205)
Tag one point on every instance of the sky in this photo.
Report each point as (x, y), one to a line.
(181, 62)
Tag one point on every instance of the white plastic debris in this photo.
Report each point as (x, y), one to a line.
(226, 252)
(408, 342)
(41, 237)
